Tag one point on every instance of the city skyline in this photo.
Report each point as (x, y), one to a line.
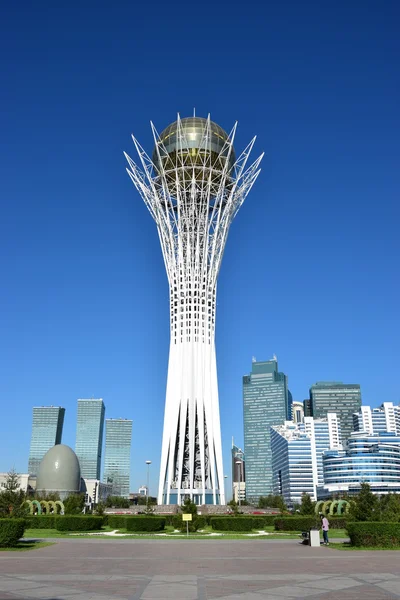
(309, 272)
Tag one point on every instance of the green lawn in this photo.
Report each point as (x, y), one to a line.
(169, 530)
(346, 546)
(25, 546)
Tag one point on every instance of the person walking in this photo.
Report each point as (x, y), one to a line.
(325, 529)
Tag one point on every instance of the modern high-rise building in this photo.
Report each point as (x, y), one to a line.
(374, 459)
(297, 455)
(325, 434)
(378, 420)
(89, 437)
(340, 398)
(117, 456)
(238, 473)
(307, 407)
(265, 403)
(292, 463)
(47, 426)
(193, 187)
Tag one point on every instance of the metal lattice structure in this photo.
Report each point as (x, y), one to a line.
(193, 187)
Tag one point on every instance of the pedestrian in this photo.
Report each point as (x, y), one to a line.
(325, 529)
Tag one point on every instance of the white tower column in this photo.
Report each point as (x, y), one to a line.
(193, 187)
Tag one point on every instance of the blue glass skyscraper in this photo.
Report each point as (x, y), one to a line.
(265, 403)
(89, 437)
(47, 426)
(117, 461)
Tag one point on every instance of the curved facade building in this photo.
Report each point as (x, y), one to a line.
(59, 472)
(193, 187)
(374, 459)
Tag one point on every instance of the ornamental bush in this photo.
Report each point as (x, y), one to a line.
(337, 522)
(41, 522)
(78, 523)
(237, 523)
(117, 521)
(145, 523)
(304, 523)
(296, 523)
(374, 533)
(198, 522)
(11, 530)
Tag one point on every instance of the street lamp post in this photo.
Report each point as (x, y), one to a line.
(148, 463)
(239, 463)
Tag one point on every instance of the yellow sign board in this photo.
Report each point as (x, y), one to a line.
(186, 517)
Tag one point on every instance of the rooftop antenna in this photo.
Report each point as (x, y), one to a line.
(194, 112)
(253, 359)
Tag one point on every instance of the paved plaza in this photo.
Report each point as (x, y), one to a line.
(197, 570)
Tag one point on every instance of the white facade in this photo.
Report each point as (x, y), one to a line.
(24, 480)
(193, 187)
(378, 420)
(96, 491)
(239, 489)
(298, 451)
(297, 411)
(370, 458)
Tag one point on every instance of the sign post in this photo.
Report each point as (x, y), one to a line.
(187, 517)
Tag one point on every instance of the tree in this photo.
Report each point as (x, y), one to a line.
(307, 505)
(100, 507)
(189, 507)
(365, 505)
(12, 497)
(47, 496)
(389, 507)
(144, 500)
(117, 502)
(272, 501)
(74, 504)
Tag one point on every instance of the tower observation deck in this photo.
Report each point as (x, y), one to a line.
(193, 186)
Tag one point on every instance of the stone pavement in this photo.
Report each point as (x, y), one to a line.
(197, 570)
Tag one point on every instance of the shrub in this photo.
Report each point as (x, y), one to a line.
(145, 523)
(374, 533)
(41, 522)
(198, 522)
(73, 505)
(11, 530)
(117, 521)
(78, 523)
(337, 522)
(296, 523)
(237, 523)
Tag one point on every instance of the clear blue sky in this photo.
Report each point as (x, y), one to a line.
(310, 270)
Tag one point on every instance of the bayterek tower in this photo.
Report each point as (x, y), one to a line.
(193, 186)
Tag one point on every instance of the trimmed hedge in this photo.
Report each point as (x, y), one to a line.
(305, 523)
(237, 523)
(78, 523)
(198, 522)
(117, 521)
(373, 533)
(11, 530)
(145, 523)
(337, 522)
(41, 522)
(296, 523)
